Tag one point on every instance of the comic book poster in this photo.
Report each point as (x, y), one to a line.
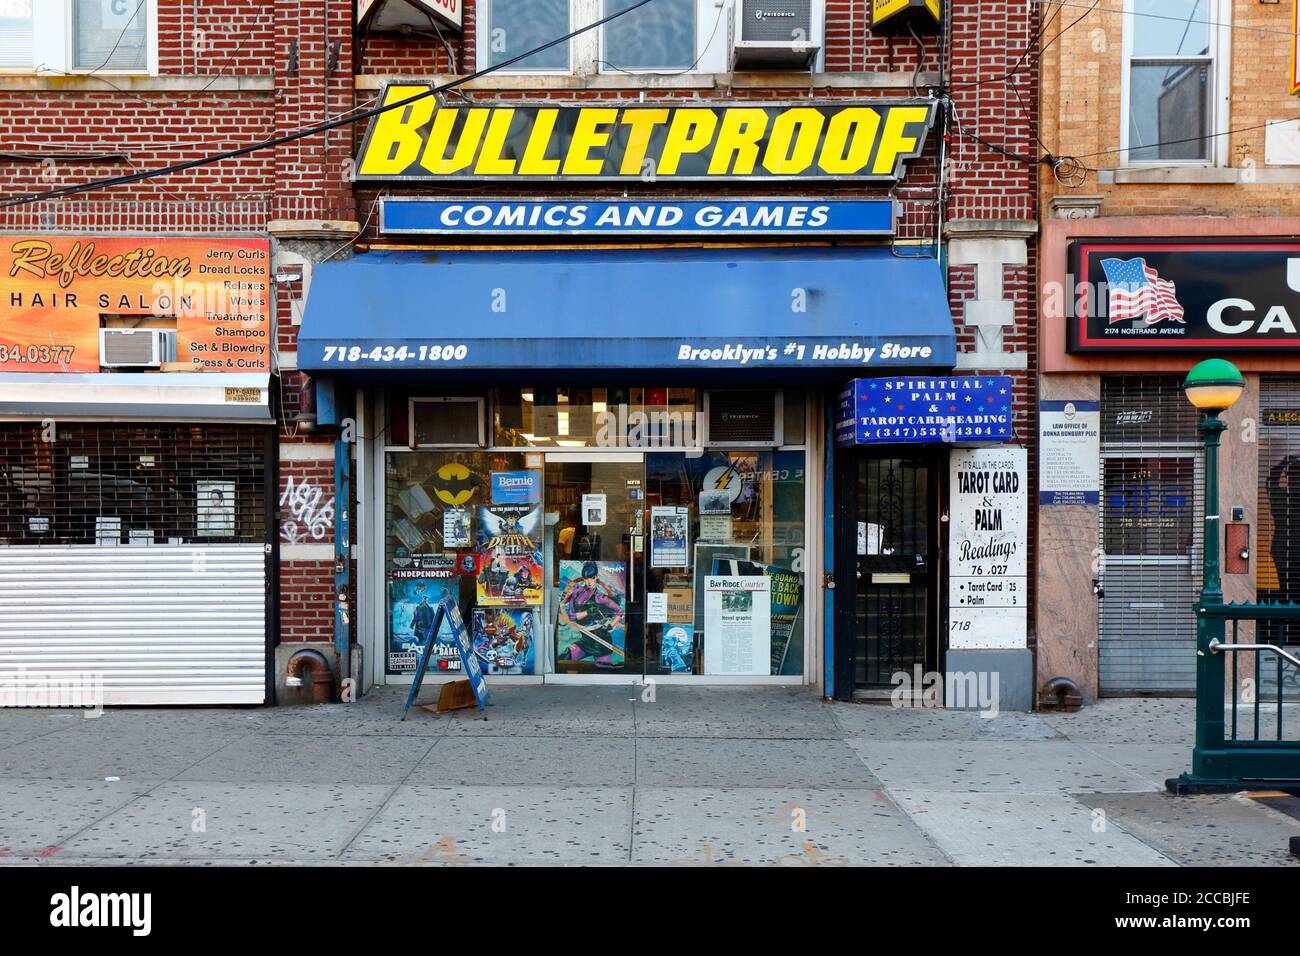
(508, 541)
(677, 649)
(669, 536)
(413, 596)
(591, 621)
(504, 639)
(456, 524)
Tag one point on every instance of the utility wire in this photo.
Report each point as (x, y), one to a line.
(310, 130)
(1020, 62)
(1165, 16)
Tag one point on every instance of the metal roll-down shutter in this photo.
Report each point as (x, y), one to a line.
(1150, 562)
(134, 558)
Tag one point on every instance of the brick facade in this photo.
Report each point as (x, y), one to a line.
(233, 73)
(1236, 192)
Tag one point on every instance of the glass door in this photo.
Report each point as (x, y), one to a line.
(594, 512)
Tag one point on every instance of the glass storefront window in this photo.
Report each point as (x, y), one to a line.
(634, 562)
(744, 513)
(464, 525)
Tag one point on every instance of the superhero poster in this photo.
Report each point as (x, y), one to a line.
(504, 639)
(413, 597)
(677, 649)
(591, 624)
(508, 541)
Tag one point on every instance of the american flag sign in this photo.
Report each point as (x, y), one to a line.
(1135, 289)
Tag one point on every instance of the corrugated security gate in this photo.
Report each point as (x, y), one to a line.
(135, 558)
(1277, 564)
(1150, 563)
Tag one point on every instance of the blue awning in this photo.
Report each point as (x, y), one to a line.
(859, 308)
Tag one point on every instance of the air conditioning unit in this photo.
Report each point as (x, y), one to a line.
(136, 348)
(775, 34)
(743, 418)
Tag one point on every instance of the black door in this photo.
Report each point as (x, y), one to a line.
(887, 565)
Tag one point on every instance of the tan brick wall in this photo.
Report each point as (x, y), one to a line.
(1081, 108)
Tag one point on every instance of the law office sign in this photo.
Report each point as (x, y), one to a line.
(771, 143)
(1184, 296)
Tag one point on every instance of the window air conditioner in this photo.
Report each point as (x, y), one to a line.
(136, 348)
(775, 34)
(743, 418)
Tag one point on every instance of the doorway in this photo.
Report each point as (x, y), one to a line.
(888, 561)
(595, 536)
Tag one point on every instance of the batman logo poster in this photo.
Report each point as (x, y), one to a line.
(454, 483)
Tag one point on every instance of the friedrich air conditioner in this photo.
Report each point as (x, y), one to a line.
(743, 418)
(136, 348)
(775, 34)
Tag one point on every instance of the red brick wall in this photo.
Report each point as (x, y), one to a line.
(295, 57)
(987, 40)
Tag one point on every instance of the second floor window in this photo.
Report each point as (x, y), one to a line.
(16, 34)
(76, 36)
(658, 36)
(511, 27)
(667, 36)
(1171, 72)
(110, 35)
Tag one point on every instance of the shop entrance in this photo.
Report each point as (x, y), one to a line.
(595, 544)
(604, 562)
(888, 600)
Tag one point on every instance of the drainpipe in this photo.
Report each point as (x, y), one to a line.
(327, 415)
(342, 552)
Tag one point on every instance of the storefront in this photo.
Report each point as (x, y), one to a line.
(1130, 305)
(931, 530)
(624, 472)
(137, 470)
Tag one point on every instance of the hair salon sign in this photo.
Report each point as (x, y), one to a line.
(1184, 295)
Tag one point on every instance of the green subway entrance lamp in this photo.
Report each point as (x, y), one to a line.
(1212, 386)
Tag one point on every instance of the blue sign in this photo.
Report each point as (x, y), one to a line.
(516, 487)
(627, 217)
(922, 409)
(446, 612)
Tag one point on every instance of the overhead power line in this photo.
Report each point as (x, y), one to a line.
(1166, 16)
(310, 130)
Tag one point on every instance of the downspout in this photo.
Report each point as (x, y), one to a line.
(327, 414)
(829, 569)
(342, 551)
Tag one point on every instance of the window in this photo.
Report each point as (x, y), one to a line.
(78, 36)
(510, 27)
(665, 36)
(1171, 49)
(110, 35)
(658, 36)
(15, 34)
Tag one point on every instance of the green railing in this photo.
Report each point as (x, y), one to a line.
(1245, 733)
(1224, 758)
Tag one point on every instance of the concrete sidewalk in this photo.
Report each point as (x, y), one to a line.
(596, 775)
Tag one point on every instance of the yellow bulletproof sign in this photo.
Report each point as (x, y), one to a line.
(422, 141)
